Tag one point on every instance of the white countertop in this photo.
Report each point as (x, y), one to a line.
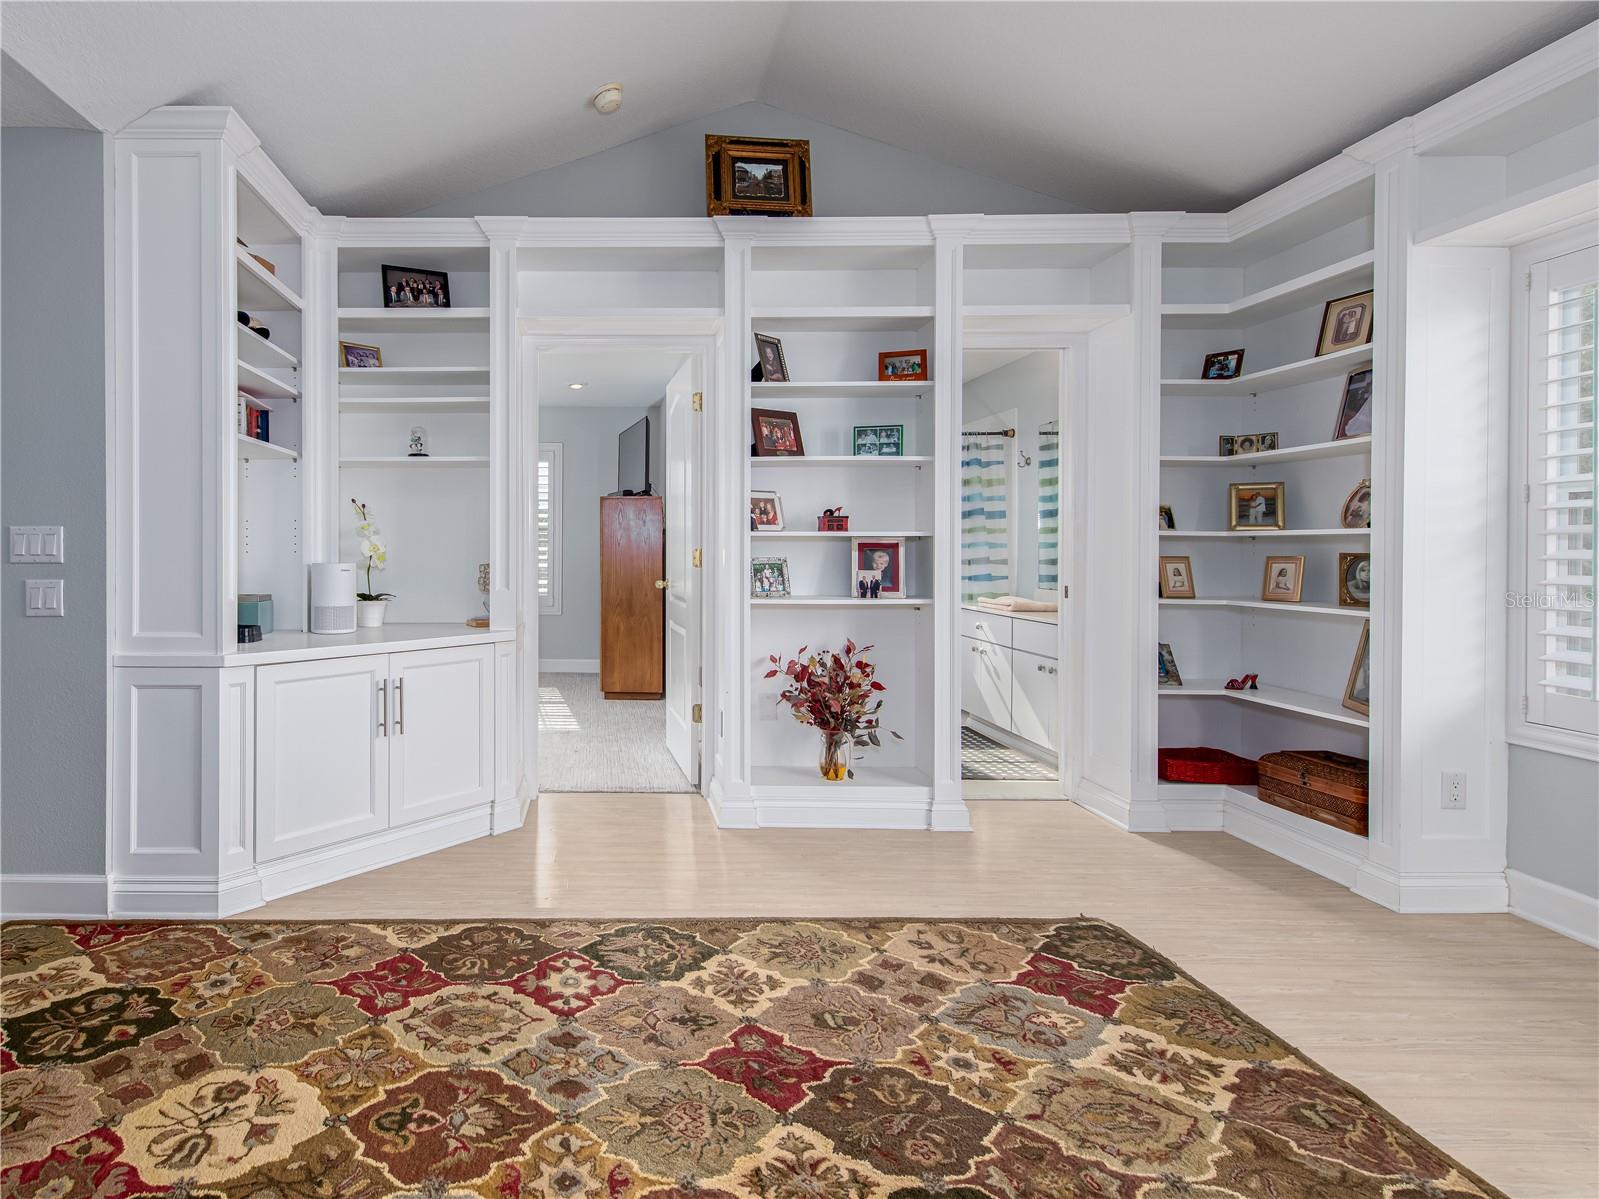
(307, 647)
(1040, 617)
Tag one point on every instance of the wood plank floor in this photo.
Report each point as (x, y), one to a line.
(1482, 1032)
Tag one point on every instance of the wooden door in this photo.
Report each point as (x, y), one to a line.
(442, 736)
(322, 753)
(632, 607)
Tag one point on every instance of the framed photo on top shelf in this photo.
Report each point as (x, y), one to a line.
(1230, 445)
(1177, 578)
(886, 555)
(1356, 512)
(902, 364)
(1357, 691)
(353, 353)
(1169, 677)
(769, 578)
(1228, 364)
(1284, 579)
(413, 287)
(1256, 506)
(1345, 322)
(1168, 522)
(1354, 580)
(776, 433)
(772, 367)
(879, 441)
(766, 512)
(1354, 413)
(757, 176)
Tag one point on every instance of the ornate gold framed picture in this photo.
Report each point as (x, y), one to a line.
(757, 176)
(1354, 580)
(1256, 506)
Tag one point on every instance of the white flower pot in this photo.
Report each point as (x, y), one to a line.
(369, 613)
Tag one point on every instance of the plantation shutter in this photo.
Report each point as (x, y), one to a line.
(547, 508)
(1564, 295)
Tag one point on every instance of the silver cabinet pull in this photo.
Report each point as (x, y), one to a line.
(383, 718)
(399, 716)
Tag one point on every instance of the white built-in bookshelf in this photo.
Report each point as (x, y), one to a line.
(1265, 293)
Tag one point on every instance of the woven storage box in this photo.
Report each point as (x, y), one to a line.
(1200, 764)
(1317, 784)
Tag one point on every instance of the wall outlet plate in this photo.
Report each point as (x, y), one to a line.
(38, 543)
(45, 597)
(1454, 790)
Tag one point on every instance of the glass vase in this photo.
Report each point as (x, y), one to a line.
(834, 761)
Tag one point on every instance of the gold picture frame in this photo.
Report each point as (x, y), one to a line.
(1177, 578)
(757, 176)
(1357, 691)
(1284, 579)
(1346, 322)
(1257, 506)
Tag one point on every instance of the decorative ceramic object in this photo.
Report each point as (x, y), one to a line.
(369, 613)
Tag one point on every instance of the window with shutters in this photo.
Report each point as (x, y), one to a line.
(1555, 606)
(547, 514)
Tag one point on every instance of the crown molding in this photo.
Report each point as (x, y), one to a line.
(1199, 227)
(1385, 143)
(411, 231)
(273, 186)
(659, 232)
(830, 231)
(1153, 224)
(1321, 181)
(955, 224)
(1044, 228)
(215, 121)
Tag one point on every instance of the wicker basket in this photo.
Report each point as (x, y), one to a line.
(1200, 764)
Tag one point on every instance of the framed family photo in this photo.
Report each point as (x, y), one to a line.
(354, 354)
(1256, 506)
(1354, 413)
(902, 364)
(886, 556)
(1228, 364)
(1176, 578)
(773, 367)
(413, 287)
(1284, 579)
(776, 433)
(766, 512)
(1345, 323)
(769, 578)
(1232, 444)
(879, 441)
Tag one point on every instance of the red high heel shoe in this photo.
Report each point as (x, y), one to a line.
(1247, 683)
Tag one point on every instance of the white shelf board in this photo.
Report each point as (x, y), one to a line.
(802, 534)
(839, 601)
(258, 351)
(1245, 603)
(1284, 699)
(844, 390)
(863, 319)
(259, 289)
(806, 782)
(1292, 453)
(1040, 318)
(255, 448)
(419, 376)
(1346, 277)
(1193, 534)
(413, 320)
(262, 385)
(414, 404)
(256, 402)
(1291, 374)
(416, 463)
(843, 460)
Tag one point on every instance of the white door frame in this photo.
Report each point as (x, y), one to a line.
(1072, 388)
(539, 336)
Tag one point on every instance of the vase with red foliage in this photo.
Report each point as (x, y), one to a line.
(838, 694)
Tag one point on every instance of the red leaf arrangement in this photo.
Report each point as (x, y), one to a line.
(834, 692)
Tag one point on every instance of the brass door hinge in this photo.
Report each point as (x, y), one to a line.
(699, 557)
(699, 401)
(699, 715)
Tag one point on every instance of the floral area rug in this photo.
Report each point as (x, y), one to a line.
(682, 1059)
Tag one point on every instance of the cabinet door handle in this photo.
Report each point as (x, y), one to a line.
(383, 717)
(399, 716)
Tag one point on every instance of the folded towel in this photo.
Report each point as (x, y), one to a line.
(1016, 603)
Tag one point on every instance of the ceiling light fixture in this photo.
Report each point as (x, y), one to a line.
(576, 386)
(608, 99)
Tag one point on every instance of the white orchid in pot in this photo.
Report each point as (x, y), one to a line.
(370, 605)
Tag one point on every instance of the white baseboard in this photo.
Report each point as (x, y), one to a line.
(1107, 805)
(321, 866)
(1559, 909)
(904, 815)
(1440, 893)
(52, 896)
(1281, 833)
(1010, 740)
(730, 811)
(569, 666)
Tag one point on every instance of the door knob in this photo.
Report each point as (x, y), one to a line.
(662, 584)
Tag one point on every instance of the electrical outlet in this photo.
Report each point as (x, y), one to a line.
(767, 707)
(1454, 792)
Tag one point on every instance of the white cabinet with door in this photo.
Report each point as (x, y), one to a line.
(1010, 675)
(356, 745)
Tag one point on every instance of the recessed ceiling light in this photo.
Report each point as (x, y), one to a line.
(608, 99)
(577, 386)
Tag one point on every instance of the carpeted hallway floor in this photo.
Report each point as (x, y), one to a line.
(590, 743)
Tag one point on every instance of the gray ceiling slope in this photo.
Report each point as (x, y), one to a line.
(26, 102)
(380, 109)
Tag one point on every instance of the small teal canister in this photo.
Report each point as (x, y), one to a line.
(256, 610)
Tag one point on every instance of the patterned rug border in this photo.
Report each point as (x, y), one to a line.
(1082, 918)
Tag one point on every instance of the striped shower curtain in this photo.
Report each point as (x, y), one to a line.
(985, 516)
(1049, 505)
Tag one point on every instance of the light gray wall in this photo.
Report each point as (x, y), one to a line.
(663, 175)
(587, 437)
(1554, 819)
(1031, 387)
(52, 767)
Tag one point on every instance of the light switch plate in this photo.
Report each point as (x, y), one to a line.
(46, 597)
(38, 543)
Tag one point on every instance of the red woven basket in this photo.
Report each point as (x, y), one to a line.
(1200, 764)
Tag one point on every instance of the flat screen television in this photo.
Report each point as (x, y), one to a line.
(633, 458)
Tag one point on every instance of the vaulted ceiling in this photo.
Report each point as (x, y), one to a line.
(385, 108)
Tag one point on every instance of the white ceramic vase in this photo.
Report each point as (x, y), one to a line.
(369, 613)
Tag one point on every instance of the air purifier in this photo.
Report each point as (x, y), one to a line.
(332, 597)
